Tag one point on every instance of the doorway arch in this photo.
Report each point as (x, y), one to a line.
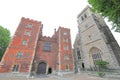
(95, 55)
(49, 70)
(83, 66)
(41, 69)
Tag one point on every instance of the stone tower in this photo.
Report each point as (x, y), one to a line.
(96, 42)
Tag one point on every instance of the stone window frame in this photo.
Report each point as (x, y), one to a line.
(15, 68)
(90, 37)
(65, 33)
(97, 56)
(85, 15)
(27, 33)
(24, 42)
(82, 18)
(65, 47)
(19, 55)
(47, 46)
(29, 25)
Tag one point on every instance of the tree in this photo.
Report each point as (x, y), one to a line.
(4, 40)
(109, 9)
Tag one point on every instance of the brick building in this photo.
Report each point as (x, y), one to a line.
(30, 52)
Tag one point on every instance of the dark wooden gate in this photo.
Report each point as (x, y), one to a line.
(41, 68)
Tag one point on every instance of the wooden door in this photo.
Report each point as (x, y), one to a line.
(41, 68)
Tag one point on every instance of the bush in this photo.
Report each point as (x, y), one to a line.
(102, 64)
(101, 74)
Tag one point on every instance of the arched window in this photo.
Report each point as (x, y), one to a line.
(96, 54)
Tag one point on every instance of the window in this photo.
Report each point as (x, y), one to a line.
(27, 33)
(24, 42)
(65, 33)
(96, 56)
(67, 67)
(19, 55)
(82, 18)
(65, 47)
(90, 37)
(30, 25)
(85, 15)
(47, 46)
(78, 54)
(15, 68)
(65, 40)
(66, 57)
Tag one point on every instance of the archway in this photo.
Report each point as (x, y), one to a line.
(41, 68)
(49, 70)
(95, 55)
(83, 66)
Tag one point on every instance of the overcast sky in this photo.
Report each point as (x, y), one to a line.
(52, 14)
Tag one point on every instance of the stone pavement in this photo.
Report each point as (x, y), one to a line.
(78, 76)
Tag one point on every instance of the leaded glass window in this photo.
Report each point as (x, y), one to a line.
(19, 55)
(15, 68)
(47, 46)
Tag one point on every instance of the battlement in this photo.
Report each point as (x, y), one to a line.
(47, 38)
(30, 20)
(63, 28)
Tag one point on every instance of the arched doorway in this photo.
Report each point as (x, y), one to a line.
(83, 66)
(41, 68)
(49, 70)
(95, 55)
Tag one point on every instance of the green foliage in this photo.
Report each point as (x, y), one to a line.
(101, 74)
(102, 64)
(4, 40)
(109, 9)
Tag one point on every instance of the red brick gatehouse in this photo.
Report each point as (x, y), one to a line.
(30, 51)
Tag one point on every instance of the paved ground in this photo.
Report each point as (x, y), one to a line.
(56, 77)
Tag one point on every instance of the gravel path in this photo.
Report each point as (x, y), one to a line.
(56, 77)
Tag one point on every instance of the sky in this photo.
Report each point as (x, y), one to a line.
(52, 14)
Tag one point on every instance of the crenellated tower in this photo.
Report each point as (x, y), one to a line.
(20, 52)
